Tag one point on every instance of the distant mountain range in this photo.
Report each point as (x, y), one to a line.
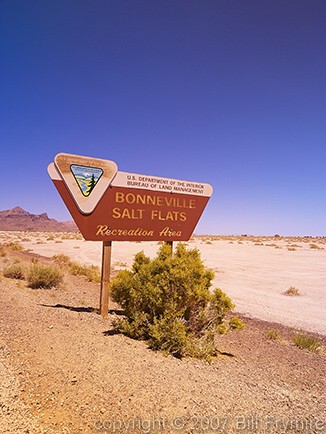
(17, 219)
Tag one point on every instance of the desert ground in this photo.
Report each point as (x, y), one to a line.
(63, 369)
(253, 271)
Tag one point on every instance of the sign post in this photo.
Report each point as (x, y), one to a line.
(108, 205)
(105, 278)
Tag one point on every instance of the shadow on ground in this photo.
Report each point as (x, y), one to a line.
(88, 309)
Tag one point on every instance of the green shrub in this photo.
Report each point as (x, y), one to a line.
(273, 335)
(292, 292)
(62, 259)
(169, 334)
(305, 342)
(236, 323)
(44, 276)
(91, 272)
(13, 245)
(15, 270)
(168, 302)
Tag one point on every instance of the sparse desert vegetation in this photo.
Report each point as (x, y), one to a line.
(292, 292)
(15, 270)
(44, 276)
(303, 341)
(61, 358)
(40, 275)
(14, 245)
(273, 335)
(90, 272)
(243, 266)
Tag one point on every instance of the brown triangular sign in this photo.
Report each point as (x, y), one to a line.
(86, 178)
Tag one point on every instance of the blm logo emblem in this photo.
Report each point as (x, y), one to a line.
(86, 177)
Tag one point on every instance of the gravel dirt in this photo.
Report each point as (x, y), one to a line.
(63, 369)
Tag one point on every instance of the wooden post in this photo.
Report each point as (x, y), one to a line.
(105, 278)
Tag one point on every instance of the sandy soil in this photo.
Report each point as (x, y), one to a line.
(254, 272)
(65, 370)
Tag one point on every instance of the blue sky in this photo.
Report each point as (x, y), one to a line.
(228, 92)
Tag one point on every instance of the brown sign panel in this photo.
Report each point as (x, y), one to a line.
(134, 207)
